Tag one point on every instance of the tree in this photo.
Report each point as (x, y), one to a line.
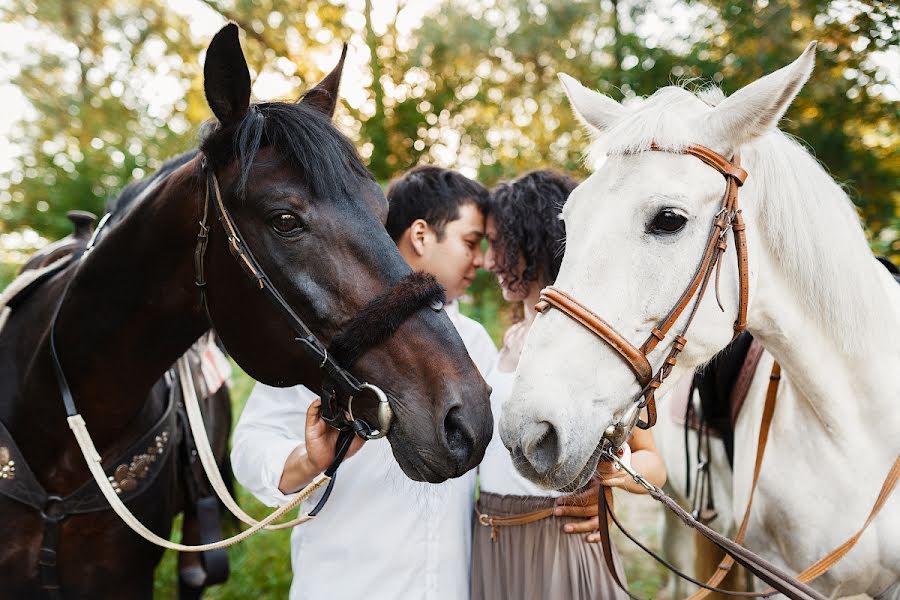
(90, 73)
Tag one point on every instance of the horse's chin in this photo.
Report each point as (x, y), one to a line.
(585, 474)
(419, 471)
(564, 480)
(410, 460)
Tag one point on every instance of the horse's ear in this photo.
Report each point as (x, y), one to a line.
(756, 108)
(592, 108)
(226, 79)
(324, 96)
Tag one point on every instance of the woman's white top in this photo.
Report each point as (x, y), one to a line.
(497, 474)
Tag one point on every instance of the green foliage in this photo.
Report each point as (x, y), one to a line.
(472, 86)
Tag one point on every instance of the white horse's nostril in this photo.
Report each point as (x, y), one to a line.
(533, 435)
(540, 444)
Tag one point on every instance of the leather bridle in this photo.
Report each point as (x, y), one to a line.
(728, 217)
(337, 381)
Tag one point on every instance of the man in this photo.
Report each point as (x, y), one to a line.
(381, 535)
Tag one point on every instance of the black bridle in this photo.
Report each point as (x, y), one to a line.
(337, 381)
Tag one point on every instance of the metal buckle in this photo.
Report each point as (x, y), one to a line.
(48, 512)
(385, 413)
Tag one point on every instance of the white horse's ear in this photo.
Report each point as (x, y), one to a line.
(592, 108)
(756, 108)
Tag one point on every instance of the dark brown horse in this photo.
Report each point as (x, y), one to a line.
(314, 218)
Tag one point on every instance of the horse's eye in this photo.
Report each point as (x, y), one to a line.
(286, 223)
(667, 221)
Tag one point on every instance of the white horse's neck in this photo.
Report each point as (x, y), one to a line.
(822, 305)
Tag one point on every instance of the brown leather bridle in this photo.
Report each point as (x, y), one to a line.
(728, 217)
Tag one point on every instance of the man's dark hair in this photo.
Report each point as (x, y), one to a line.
(433, 194)
(526, 215)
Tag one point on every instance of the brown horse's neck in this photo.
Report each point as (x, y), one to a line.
(131, 309)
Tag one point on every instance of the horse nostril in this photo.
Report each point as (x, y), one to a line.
(459, 439)
(540, 444)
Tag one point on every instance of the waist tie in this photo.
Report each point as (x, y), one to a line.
(494, 521)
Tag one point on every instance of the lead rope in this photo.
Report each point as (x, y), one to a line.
(207, 458)
(79, 428)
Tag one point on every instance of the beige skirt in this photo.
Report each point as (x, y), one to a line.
(538, 560)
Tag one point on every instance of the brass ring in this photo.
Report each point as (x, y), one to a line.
(385, 413)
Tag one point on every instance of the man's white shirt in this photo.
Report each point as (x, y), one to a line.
(381, 535)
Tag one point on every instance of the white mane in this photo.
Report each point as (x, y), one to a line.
(803, 211)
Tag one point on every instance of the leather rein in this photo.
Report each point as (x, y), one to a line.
(728, 217)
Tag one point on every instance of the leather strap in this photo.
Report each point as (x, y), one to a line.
(555, 297)
(765, 425)
(494, 522)
(826, 562)
(604, 505)
(741, 388)
(738, 229)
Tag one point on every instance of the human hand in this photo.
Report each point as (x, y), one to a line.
(611, 474)
(321, 438)
(581, 505)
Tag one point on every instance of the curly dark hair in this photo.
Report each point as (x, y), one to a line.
(526, 215)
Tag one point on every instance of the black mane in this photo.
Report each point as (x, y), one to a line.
(327, 159)
(303, 135)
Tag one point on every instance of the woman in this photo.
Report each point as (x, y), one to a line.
(541, 551)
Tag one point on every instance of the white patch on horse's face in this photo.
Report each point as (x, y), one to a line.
(631, 275)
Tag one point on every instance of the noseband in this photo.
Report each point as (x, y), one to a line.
(417, 289)
(728, 217)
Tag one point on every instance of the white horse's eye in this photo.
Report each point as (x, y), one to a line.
(666, 221)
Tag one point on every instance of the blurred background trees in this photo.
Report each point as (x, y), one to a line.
(105, 91)
(111, 89)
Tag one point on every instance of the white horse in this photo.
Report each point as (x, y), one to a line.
(819, 302)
